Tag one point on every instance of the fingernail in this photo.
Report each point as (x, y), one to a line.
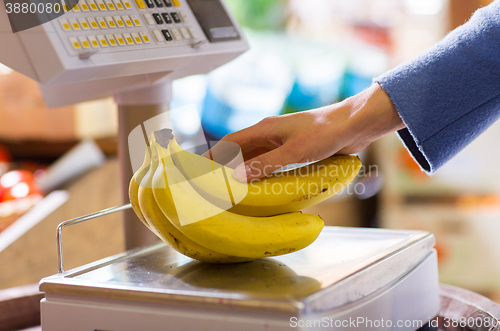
(241, 172)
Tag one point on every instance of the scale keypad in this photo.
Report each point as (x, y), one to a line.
(109, 25)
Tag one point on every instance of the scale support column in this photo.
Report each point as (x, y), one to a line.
(134, 108)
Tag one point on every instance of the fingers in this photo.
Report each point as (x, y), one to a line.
(251, 141)
(247, 155)
(245, 138)
(264, 164)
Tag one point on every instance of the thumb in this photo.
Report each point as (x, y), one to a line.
(263, 164)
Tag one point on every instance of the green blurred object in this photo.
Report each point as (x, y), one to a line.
(287, 109)
(259, 14)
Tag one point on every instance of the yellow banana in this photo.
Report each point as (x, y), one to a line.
(220, 230)
(133, 188)
(166, 231)
(279, 193)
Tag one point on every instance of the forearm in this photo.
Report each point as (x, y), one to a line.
(373, 114)
(370, 115)
(450, 94)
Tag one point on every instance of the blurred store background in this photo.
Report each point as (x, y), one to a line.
(304, 55)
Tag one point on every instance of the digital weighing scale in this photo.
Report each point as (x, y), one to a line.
(361, 279)
(349, 278)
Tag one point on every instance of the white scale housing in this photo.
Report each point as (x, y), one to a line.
(346, 274)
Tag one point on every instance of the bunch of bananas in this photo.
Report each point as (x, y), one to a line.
(194, 214)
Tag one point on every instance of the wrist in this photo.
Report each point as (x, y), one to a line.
(372, 114)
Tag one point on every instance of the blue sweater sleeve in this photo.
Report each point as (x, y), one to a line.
(450, 94)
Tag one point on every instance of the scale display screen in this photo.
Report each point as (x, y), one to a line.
(214, 20)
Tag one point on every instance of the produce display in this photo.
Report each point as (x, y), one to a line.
(19, 191)
(183, 207)
(17, 184)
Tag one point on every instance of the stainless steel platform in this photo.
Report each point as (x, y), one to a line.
(343, 266)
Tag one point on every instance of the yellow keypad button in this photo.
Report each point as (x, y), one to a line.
(176, 3)
(110, 21)
(83, 22)
(144, 37)
(84, 6)
(137, 39)
(128, 21)
(101, 5)
(127, 4)
(135, 19)
(65, 25)
(140, 4)
(74, 43)
(84, 42)
(110, 5)
(118, 4)
(93, 23)
(111, 40)
(74, 24)
(93, 42)
(65, 6)
(76, 8)
(102, 41)
(128, 38)
(119, 39)
(92, 5)
(119, 21)
(102, 23)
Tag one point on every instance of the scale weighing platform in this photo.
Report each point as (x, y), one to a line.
(348, 279)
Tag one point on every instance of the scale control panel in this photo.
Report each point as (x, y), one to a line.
(96, 48)
(120, 25)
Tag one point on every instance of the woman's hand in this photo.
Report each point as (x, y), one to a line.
(343, 128)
